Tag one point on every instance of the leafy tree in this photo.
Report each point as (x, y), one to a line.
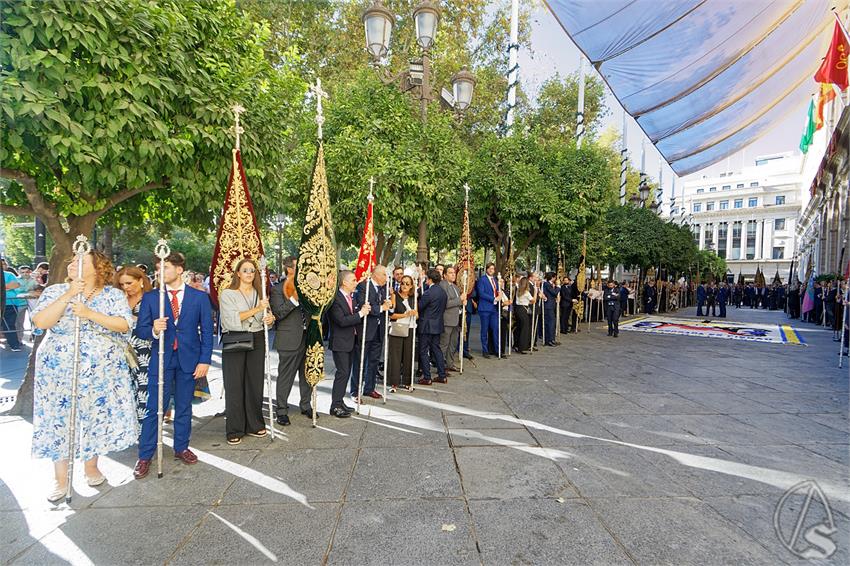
(557, 102)
(104, 102)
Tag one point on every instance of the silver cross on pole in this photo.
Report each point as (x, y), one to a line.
(371, 196)
(317, 90)
(237, 129)
(466, 193)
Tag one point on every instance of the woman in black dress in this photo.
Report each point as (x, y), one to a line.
(135, 283)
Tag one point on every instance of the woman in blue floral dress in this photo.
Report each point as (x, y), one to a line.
(135, 283)
(106, 411)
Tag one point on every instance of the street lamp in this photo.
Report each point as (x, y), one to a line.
(379, 27)
(644, 191)
(378, 24)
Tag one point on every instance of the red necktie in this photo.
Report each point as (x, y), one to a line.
(175, 310)
(348, 300)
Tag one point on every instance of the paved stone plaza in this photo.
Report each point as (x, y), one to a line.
(644, 449)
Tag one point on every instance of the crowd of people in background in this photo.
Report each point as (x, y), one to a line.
(424, 313)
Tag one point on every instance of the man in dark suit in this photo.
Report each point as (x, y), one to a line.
(711, 300)
(188, 328)
(701, 299)
(722, 298)
(489, 305)
(650, 297)
(432, 306)
(550, 291)
(566, 305)
(449, 339)
(345, 325)
(290, 341)
(372, 291)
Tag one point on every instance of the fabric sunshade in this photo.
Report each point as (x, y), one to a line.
(703, 78)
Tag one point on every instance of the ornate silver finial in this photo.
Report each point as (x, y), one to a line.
(466, 193)
(81, 245)
(263, 263)
(371, 196)
(237, 129)
(317, 90)
(162, 250)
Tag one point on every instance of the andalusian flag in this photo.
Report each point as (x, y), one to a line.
(238, 234)
(366, 257)
(809, 132)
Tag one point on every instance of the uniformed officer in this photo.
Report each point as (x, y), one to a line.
(611, 300)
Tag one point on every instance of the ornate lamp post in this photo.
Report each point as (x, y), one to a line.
(378, 24)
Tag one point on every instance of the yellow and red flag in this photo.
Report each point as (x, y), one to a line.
(833, 70)
(238, 234)
(366, 257)
(826, 95)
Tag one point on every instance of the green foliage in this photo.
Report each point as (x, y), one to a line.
(639, 238)
(101, 101)
(19, 241)
(554, 118)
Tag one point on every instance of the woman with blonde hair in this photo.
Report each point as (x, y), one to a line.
(243, 312)
(135, 283)
(106, 412)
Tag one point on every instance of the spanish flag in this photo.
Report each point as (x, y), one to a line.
(833, 70)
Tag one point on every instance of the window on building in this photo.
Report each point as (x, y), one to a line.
(779, 224)
(754, 184)
(739, 186)
(751, 239)
(727, 187)
(697, 207)
(712, 189)
(778, 252)
(780, 199)
(736, 240)
(699, 191)
(709, 206)
(696, 234)
(722, 237)
(752, 202)
(709, 236)
(724, 205)
(739, 203)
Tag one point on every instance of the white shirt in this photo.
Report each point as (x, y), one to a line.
(181, 292)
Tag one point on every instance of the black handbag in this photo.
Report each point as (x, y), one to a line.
(240, 341)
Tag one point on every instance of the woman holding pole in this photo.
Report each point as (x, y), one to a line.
(401, 337)
(91, 411)
(244, 312)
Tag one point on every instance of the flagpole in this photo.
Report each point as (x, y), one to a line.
(386, 338)
(161, 251)
(263, 265)
(499, 312)
(413, 325)
(511, 272)
(465, 277)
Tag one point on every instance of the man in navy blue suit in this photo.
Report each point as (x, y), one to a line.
(374, 292)
(431, 308)
(489, 299)
(188, 328)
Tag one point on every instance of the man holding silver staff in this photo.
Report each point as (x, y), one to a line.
(372, 291)
(344, 321)
(290, 341)
(188, 333)
(550, 292)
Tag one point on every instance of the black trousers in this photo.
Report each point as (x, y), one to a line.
(243, 389)
(291, 362)
(343, 362)
(429, 345)
(399, 360)
(522, 336)
(613, 315)
(566, 317)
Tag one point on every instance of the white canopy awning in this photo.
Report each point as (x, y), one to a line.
(703, 78)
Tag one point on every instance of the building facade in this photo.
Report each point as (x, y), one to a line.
(749, 217)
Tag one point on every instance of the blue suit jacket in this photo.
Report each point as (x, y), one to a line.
(375, 318)
(194, 330)
(432, 305)
(551, 293)
(700, 293)
(486, 296)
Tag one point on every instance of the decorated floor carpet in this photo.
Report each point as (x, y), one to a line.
(715, 328)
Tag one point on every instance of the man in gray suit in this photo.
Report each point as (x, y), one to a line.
(290, 341)
(451, 319)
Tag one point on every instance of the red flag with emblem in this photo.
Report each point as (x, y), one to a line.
(366, 257)
(834, 67)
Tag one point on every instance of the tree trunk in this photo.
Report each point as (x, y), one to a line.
(387, 253)
(24, 400)
(380, 240)
(399, 254)
(107, 242)
(422, 246)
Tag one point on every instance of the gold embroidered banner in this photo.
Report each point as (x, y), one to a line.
(316, 271)
(238, 234)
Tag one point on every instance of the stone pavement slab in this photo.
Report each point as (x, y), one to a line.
(644, 449)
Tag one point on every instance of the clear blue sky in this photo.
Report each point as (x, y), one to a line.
(554, 52)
